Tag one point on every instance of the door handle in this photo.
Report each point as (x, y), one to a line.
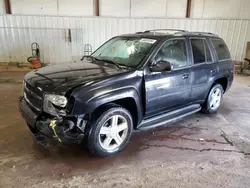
(185, 76)
(213, 70)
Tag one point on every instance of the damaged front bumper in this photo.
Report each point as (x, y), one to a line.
(67, 130)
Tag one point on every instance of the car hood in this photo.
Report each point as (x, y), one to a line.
(62, 77)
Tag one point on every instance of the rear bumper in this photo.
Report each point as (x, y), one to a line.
(64, 130)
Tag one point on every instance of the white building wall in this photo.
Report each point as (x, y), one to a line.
(245, 13)
(63, 38)
(34, 7)
(75, 7)
(2, 7)
(197, 8)
(148, 8)
(119, 8)
(176, 8)
(158, 8)
(134, 8)
(220, 9)
(17, 32)
(53, 7)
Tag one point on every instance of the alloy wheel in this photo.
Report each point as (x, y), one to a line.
(215, 99)
(113, 133)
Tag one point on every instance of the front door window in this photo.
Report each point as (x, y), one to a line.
(175, 52)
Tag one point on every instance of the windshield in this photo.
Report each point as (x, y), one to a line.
(124, 51)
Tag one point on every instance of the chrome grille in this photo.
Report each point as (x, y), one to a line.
(33, 97)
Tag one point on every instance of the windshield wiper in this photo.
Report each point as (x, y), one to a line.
(109, 61)
(91, 57)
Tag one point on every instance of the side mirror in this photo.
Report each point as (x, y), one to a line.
(160, 66)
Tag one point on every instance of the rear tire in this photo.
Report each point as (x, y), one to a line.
(109, 131)
(213, 100)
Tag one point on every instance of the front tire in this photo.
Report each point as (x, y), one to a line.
(110, 131)
(213, 100)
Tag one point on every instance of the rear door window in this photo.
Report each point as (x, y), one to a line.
(201, 51)
(221, 49)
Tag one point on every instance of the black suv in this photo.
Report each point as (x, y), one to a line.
(132, 82)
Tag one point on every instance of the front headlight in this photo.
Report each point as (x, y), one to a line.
(57, 100)
(53, 104)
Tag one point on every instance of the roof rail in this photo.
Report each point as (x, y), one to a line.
(140, 32)
(174, 31)
(200, 33)
(155, 30)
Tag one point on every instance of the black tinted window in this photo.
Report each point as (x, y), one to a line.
(175, 52)
(221, 49)
(201, 52)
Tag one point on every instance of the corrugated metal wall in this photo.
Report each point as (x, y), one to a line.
(17, 32)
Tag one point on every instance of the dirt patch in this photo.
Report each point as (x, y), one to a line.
(12, 77)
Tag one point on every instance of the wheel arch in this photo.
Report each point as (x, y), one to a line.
(127, 98)
(222, 81)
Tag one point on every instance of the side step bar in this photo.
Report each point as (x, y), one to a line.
(169, 117)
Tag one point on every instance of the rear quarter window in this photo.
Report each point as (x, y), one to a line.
(221, 49)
